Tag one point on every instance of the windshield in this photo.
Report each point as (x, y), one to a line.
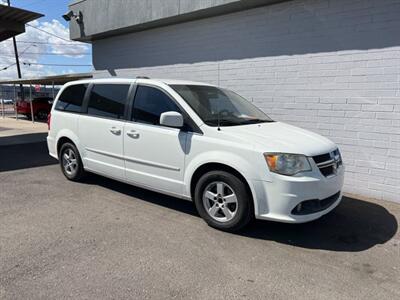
(217, 106)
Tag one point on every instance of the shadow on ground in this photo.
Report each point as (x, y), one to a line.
(355, 225)
(25, 118)
(24, 151)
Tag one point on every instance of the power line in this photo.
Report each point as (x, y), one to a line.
(59, 65)
(48, 53)
(44, 64)
(48, 43)
(5, 68)
(16, 63)
(71, 54)
(52, 34)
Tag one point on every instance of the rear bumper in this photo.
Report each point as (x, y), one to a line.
(51, 145)
(279, 200)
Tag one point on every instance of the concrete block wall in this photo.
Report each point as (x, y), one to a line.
(330, 66)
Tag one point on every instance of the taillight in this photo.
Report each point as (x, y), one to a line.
(48, 120)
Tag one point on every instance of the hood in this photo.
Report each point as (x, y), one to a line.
(281, 137)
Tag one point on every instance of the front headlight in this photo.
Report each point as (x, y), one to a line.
(287, 164)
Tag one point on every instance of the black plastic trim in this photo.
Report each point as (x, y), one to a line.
(314, 205)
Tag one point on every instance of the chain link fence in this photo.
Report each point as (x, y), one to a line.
(23, 103)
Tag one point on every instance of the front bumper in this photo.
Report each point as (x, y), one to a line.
(279, 199)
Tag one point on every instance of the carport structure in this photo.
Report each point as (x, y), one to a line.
(53, 81)
(13, 20)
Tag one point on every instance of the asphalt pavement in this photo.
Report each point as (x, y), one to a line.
(102, 239)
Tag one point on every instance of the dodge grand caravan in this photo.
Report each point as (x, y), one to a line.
(199, 142)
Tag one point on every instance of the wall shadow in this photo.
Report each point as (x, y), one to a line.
(355, 225)
(288, 28)
(24, 151)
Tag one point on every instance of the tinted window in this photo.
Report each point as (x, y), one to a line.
(150, 103)
(108, 100)
(71, 98)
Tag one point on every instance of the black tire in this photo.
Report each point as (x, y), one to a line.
(41, 115)
(244, 211)
(73, 174)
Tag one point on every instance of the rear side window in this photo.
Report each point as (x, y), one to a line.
(71, 98)
(108, 100)
(150, 103)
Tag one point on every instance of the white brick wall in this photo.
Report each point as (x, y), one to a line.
(332, 67)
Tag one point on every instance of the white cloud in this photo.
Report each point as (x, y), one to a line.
(33, 52)
(58, 47)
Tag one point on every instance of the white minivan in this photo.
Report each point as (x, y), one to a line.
(199, 142)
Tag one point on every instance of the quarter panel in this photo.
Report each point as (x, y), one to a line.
(64, 125)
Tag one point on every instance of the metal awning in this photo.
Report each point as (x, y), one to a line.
(48, 80)
(13, 20)
(56, 80)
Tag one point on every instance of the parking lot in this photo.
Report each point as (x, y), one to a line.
(105, 239)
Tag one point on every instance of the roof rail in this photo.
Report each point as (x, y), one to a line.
(142, 77)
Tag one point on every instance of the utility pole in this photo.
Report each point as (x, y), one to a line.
(17, 61)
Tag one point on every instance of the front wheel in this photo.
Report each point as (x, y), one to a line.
(71, 162)
(223, 201)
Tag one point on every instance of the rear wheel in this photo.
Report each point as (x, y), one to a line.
(223, 201)
(41, 115)
(70, 162)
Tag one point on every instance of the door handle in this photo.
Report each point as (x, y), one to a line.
(133, 134)
(115, 130)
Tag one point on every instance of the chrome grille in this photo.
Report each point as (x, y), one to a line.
(329, 163)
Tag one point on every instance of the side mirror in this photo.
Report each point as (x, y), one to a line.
(171, 119)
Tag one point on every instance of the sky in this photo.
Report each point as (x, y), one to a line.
(40, 48)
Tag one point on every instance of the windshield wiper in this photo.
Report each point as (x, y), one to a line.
(255, 121)
(221, 122)
(226, 122)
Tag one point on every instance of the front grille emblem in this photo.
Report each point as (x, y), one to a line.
(336, 159)
(329, 163)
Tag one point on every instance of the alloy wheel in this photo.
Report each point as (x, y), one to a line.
(220, 201)
(69, 161)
